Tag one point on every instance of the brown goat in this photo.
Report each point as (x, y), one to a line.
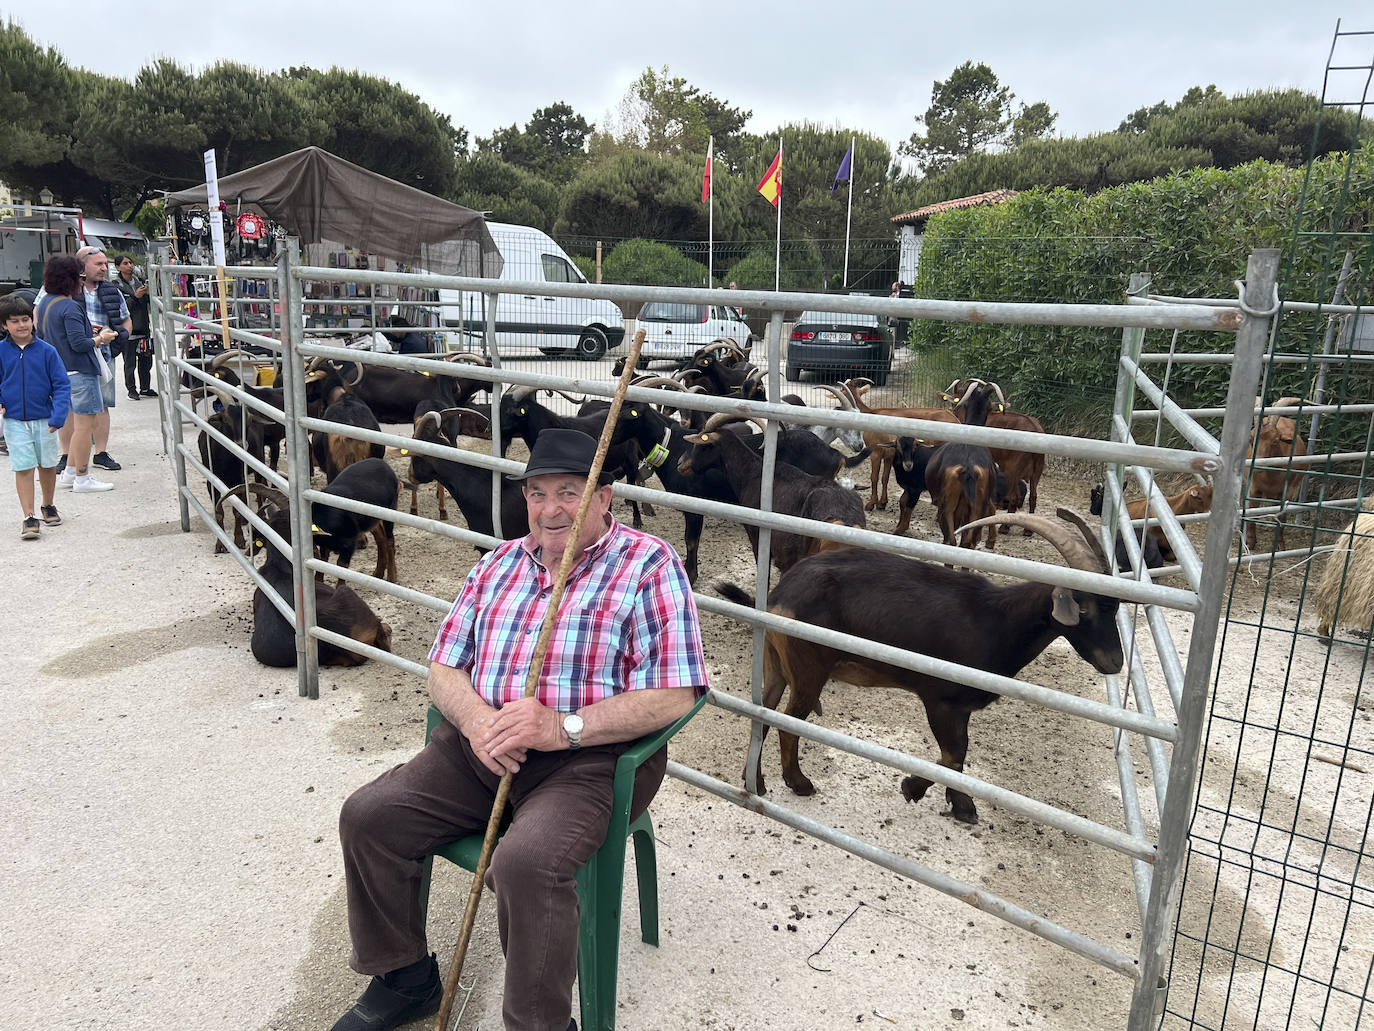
(1195, 499)
(1278, 438)
(883, 446)
(1016, 466)
(962, 480)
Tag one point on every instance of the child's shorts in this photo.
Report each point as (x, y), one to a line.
(31, 444)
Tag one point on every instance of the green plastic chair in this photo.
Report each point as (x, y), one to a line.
(600, 884)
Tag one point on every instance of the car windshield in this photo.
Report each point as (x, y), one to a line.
(667, 311)
(847, 318)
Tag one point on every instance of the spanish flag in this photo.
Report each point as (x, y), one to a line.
(771, 187)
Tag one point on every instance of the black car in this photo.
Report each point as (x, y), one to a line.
(835, 343)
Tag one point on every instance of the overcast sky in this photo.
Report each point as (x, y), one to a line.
(855, 63)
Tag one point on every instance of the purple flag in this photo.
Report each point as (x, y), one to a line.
(842, 176)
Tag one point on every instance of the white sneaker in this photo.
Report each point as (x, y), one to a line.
(89, 485)
(66, 477)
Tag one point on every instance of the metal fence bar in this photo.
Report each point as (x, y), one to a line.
(1148, 999)
(961, 890)
(1089, 830)
(420, 598)
(243, 560)
(319, 633)
(1181, 316)
(298, 459)
(1192, 432)
(1141, 873)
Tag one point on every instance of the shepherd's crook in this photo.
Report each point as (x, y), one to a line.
(541, 647)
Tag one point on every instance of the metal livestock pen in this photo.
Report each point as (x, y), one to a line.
(1133, 715)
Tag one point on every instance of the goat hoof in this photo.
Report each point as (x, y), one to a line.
(799, 784)
(914, 788)
(965, 814)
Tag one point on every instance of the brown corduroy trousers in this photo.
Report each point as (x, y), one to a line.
(560, 803)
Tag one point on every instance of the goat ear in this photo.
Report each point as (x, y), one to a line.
(1065, 607)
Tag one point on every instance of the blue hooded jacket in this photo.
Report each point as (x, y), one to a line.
(34, 383)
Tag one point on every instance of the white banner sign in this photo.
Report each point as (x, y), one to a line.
(216, 215)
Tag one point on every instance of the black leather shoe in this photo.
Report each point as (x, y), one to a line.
(381, 1007)
(148, 393)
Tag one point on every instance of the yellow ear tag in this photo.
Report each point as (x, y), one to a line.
(423, 373)
(633, 412)
(1000, 408)
(405, 451)
(316, 529)
(258, 544)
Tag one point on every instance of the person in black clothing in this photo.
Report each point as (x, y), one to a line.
(138, 353)
(405, 343)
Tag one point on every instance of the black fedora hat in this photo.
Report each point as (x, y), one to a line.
(562, 451)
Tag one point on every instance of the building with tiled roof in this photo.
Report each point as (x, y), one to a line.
(913, 225)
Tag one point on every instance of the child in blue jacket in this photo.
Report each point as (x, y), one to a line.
(35, 394)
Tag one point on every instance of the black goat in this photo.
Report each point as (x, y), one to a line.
(795, 493)
(371, 482)
(964, 618)
(241, 426)
(393, 394)
(909, 467)
(797, 446)
(524, 417)
(1149, 545)
(469, 485)
(337, 608)
(334, 452)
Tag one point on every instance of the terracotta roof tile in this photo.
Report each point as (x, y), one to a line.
(921, 214)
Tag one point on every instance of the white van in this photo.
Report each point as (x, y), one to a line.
(526, 323)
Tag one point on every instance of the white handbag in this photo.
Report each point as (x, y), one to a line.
(106, 373)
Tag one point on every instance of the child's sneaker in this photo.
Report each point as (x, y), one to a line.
(66, 478)
(50, 516)
(88, 484)
(30, 529)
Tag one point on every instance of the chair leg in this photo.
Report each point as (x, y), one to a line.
(589, 985)
(646, 871)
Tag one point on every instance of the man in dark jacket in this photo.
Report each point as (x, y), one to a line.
(104, 307)
(138, 355)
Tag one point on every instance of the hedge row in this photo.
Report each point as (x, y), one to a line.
(1192, 232)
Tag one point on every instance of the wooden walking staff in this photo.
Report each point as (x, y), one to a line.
(541, 647)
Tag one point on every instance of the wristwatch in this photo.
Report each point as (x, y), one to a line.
(572, 726)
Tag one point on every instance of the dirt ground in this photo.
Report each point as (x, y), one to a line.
(171, 807)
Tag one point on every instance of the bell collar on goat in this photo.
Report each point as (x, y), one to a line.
(657, 455)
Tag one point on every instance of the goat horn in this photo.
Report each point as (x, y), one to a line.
(438, 421)
(574, 400)
(467, 356)
(723, 418)
(968, 391)
(521, 394)
(225, 356)
(666, 382)
(1071, 516)
(1000, 399)
(361, 369)
(1075, 551)
(269, 495)
(846, 402)
(450, 412)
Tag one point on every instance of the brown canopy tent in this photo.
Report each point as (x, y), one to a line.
(322, 198)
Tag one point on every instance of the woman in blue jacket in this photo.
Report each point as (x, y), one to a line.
(62, 322)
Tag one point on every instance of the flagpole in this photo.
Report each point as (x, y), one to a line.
(849, 216)
(711, 217)
(777, 250)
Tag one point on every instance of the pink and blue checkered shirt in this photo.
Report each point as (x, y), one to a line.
(628, 622)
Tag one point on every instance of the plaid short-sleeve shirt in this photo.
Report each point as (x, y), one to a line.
(628, 622)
